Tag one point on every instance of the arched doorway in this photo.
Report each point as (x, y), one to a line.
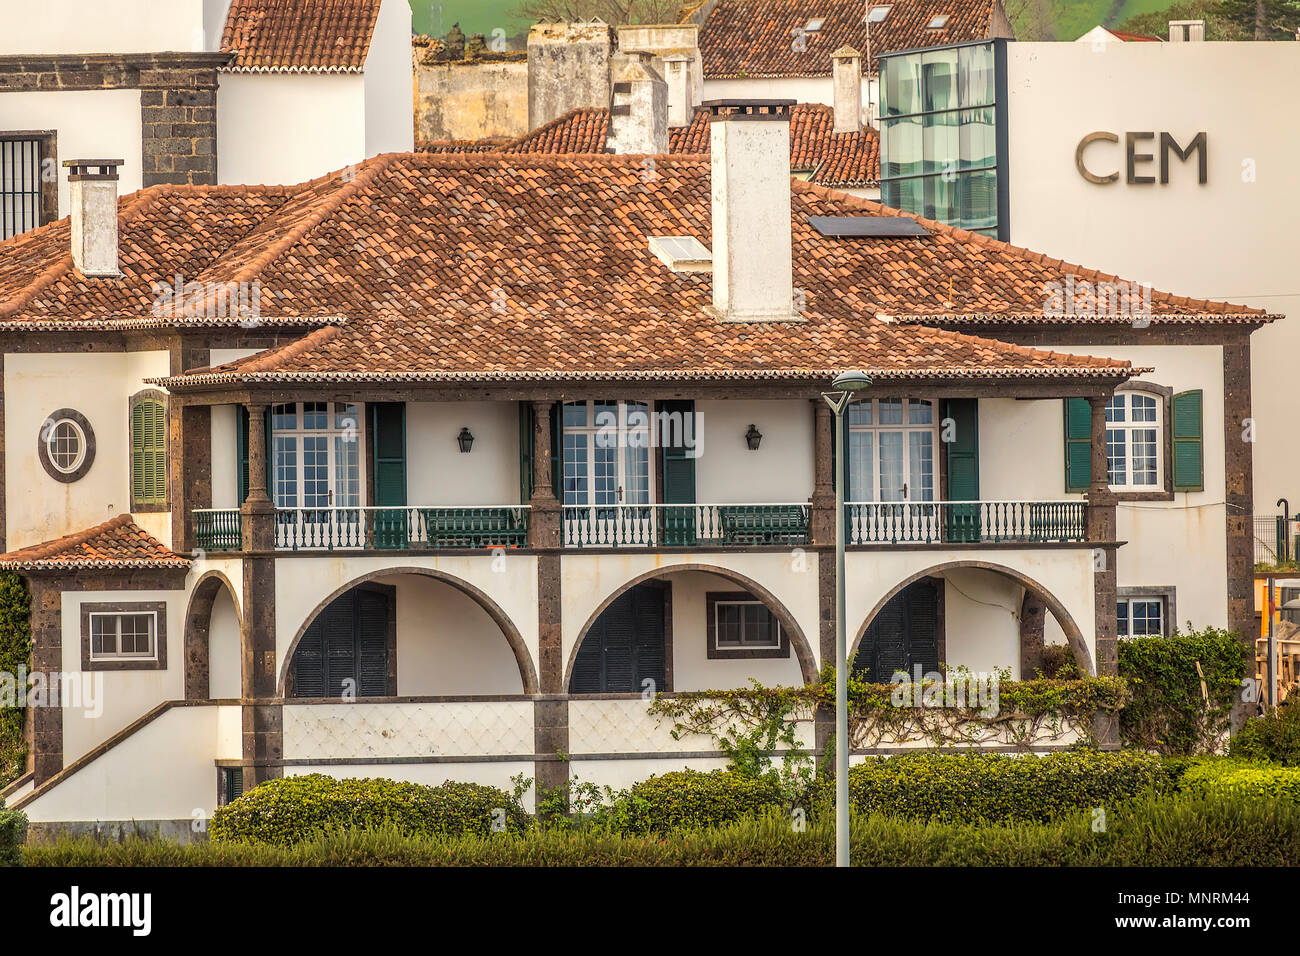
(688, 627)
(407, 632)
(938, 615)
(212, 640)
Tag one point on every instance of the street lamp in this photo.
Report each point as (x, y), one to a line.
(845, 384)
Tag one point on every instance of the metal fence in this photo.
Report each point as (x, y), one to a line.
(1275, 539)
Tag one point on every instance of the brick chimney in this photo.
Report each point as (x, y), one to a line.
(679, 72)
(752, 247)
(638, 114)
(92, 194)
(846, 84)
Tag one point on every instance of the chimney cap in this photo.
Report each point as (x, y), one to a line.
(741, 109)
(846, 52)
(80, 169)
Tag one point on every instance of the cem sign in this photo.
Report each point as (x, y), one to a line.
(1137, 171)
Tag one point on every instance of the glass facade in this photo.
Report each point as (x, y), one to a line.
(939, 124)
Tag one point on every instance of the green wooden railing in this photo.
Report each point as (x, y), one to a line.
(698, 525)
(218, 529)
(964, 522)
(406, 528)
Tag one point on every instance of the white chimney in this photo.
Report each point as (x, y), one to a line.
(752, 257)
(92, 193)
(638, 115)
(679, 70)
(1186, 31)
(846, 84)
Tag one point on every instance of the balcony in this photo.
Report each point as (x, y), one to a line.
(384, 528)
(698, 525)
(964, 522)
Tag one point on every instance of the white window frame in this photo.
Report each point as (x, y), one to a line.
(886, 7)
(743, 645)
(119, 655)
(51, 437)
(331, 432)
(1125, 620)
(1125, 430)
(591, 429)
(912, 473)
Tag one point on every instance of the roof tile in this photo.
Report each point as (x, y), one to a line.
(119, 542)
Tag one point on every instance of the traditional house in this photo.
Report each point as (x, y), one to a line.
(441, 467)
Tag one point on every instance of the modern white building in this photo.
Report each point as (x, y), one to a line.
(196, 92)
(445, 461)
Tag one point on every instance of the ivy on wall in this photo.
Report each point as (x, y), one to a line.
(15, 653)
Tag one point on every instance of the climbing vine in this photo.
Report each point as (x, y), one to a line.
(15, 654)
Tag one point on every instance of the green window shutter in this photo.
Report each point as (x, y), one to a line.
(964, 450)
(137, 453)
(1189, 455)
(157, 451)
(557, 459)
(388, 430)
(527, 426)
(241, 457)
(1078, 444)
(678, 483)
(148, 452)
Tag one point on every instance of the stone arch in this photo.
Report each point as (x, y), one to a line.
(1072, 632)
(198, 623)
(527, 672)
(798, 641)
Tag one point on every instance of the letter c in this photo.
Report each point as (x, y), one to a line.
(1078, 157)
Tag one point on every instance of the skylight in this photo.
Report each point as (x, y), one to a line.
(682, 253)
(814, 24)
(878, 14)
(880, 227)
(937, 23)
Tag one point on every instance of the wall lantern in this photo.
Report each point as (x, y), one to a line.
(753, 438)
(466, 441)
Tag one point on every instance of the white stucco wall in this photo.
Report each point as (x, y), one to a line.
(389, 82)
(275, 128)
(438, 473)
(781, 471)
(981, 611)
(1228, 239)
(224, 655)
(104, 26)
(90, 124)
(98, 385)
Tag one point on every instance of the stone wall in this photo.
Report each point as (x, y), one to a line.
(471, 99)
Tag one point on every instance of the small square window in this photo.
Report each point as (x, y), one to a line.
(814, 24)
(878, 14)
(937, 23)
(1141, 616)
(124, 636)
(739, 625)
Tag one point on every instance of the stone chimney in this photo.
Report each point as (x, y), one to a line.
(1186, 31)
(679, 72)
(846, 84)
(638, 112)
(752, 247)
(92, 194)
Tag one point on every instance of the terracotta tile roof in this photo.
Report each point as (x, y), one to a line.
(768, 38)
(1133, 37)
(118, 543)
(300, 35)
(836, 159)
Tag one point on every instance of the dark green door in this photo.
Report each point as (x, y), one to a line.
(904, 634)
(388, 436)
(625, 646)
(677, 484)
(345, 650)
(962, 522)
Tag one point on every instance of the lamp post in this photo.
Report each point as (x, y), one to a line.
(845, 384)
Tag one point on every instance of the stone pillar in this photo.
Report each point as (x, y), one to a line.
(189, 473)
(822, 526)
(544, 523)
(1033, 619)
(44, 732)
(257, 512)
(1239, 501)
(1101, 530)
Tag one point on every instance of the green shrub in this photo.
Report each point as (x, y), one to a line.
(689, 799)
(15, 652)
(1228, 778)
(992, 787)
(1166, 711)
(1274, 737)
(1177, 831)
(292, 809)
(13, 831)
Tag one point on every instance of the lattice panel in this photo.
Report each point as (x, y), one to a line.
(460, 729)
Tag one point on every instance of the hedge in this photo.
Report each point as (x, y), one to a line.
(13, 831)
(689, 799)
(1154, 832)
(15, 652)
(1274, 738)
(992, 787)
(1166, 710)
(1228, 778)
(293, 809)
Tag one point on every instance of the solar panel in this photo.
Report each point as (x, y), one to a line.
(879, 227)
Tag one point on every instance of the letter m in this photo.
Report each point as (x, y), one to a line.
(1168, 144)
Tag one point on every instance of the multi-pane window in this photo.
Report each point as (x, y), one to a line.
(148, 452)
(123, 636)
(21, 188)
(606, 449)
(744, 624)
(66, 445)
(317, 455)
(892, 450)
(1141, 616)
(1133, 452)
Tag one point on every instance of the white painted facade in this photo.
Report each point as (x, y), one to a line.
(1227, 240)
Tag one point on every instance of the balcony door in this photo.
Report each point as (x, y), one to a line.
(891, 469)
(317, 473)
(608, 480)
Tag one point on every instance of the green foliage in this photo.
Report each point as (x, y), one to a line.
(973, 786)
(1222, 20)
(15, 652)
(292, 809)
(1167, 711)
(1228, 778)
(689, 800)
(1273, 738)
(1179, 831)
(13, 831)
